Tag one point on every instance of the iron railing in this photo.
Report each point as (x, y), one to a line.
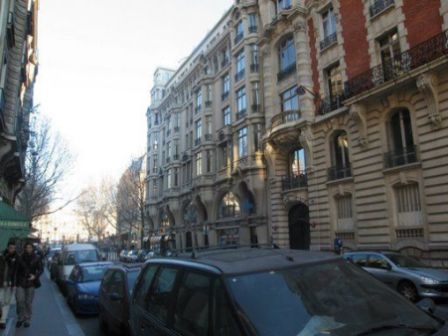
(239, 75)
(286, 72)
(225, 62)
(198, 108)
(238, 37)
(255, 108)
(411, 59)
(208, 103)
(329, 104)
(337, 173)
(185, 157)
(176, 129)
(401, 157)
(197, 141)
(254, 67)
(253, 29)
(175, 157)
(294, 182)
(285, 117)
(208, 137)
(328, 41)
(225, 95)
(380, 6)
(241, 114)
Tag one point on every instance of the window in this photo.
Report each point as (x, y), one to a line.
(208, 161)
(176, 177)
(242, 142)
(252, 22)
(169, 149)
(198, 129)
(230, 206)
(376, 261)
(403, 150)
(225, 57)
(239, 31)
(258, 135)
(297, 162)
(117, 284)
(290, 100)
(241, 103)
(198, 160)
(191, 316)
(359, 259)
(390, 54)
(240, 65)
(344, 212)
(287, 55)
(341, 156)
(334, 82)
(226, 84)
(142, 287)
(223, 156)
(407, 199)
(227, 116)
(160, 297)
(283, 5)
(198, 101)
(225, 322)
(170, 178)
(329, 22)
(254, 54)
(256, 96)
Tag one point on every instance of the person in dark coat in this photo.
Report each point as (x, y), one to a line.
(29, 270)
(8, 271)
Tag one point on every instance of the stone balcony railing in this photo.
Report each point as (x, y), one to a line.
(285, 117)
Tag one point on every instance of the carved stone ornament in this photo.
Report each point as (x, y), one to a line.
(299, 27)
(427, 85)
(358, 115)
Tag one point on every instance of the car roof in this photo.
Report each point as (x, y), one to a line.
(79, 247)
(247, 260)
(96, 263)
(372, 252)
(127, 267)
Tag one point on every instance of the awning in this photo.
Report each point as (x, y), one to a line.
(13, 224)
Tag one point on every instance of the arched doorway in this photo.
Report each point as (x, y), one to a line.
(188, 241)
(299, 227)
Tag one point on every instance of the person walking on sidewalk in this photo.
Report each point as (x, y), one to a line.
(8, 271)
(28, 272)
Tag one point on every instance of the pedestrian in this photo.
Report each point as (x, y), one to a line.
(8, 270)
(29, 270)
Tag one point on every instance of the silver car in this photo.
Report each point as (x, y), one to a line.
(408, 276)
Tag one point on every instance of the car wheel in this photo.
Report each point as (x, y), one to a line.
(408, 290)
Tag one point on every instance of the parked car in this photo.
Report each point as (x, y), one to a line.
(50, 256)
(257, 291)
(114, 298)
(409, 276)
(83, 286)
(132, 256)
(122, 255)
(71, 255)
(141, 256)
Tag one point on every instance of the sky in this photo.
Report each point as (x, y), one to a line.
(97, 59)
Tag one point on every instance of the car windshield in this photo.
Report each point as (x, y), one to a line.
(78, 257)
(132, 276)
(403, 261)
(334, 298)
(133, 253)
(93, 273)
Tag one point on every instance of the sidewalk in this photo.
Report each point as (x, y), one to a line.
(51, 316)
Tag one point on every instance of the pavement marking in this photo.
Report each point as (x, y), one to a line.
(72, 326)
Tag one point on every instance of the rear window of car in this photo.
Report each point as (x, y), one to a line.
(82, 256)
(93, 273)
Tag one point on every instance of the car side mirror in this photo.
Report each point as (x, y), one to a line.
(427, 305)
(115, 297)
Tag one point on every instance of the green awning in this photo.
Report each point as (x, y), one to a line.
(13, 224)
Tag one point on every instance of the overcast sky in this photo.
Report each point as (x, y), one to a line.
(97, 58)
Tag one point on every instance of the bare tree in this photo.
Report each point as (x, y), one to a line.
(96, 208)
(47, 162)
(131, 199)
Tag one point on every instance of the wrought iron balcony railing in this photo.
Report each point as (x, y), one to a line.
(175, 157)
(401, 157)
(198, 108)
(208, 137)
(254, 67)
(225, 95)
(241, 114)
(197, 141)
(176, 129)
(239, 75)
(238, 37)
(286, 72)
(185, 157)
(379, 6)
(329, 104)
(253, 29)
(294, 182)
(208, 104)
(403, 63)
(338, 173)
(285, 117)
(255, 108)
(225, 62)
(328, 41)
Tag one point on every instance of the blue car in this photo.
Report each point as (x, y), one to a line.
(83, 286)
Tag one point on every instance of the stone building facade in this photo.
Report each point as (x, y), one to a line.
(18, 71)
(345, 111)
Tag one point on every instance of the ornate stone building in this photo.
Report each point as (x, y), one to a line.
(305, 121)
(18, 71)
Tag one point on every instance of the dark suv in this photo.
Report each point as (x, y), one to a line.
(257, 291)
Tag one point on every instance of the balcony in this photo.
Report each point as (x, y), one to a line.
(380, 6)
(401, 157)
(208, 137)
(176, 129)
(255, 108)
(198, 109)
(239, 75)
(338, 173)
(185, 157)
(241, 114)
(225, 95)
(208, 104)
(253, 29)
(254, 68)
(238, 37)
(285, 117)
(225, 62)
(155, 170)
(290, 69)
(175, 157)
(328, 41)
(420, 55)
(197, 141)
(329, 104)
(294, 182)
(224, 133)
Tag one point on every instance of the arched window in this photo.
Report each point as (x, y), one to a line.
(402, 148)
(297, 162)
(340, 157)
(164, 220)
(229, 206)
(287, 55)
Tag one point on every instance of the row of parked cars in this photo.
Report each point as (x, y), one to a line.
(135, 256)
(254, 291)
